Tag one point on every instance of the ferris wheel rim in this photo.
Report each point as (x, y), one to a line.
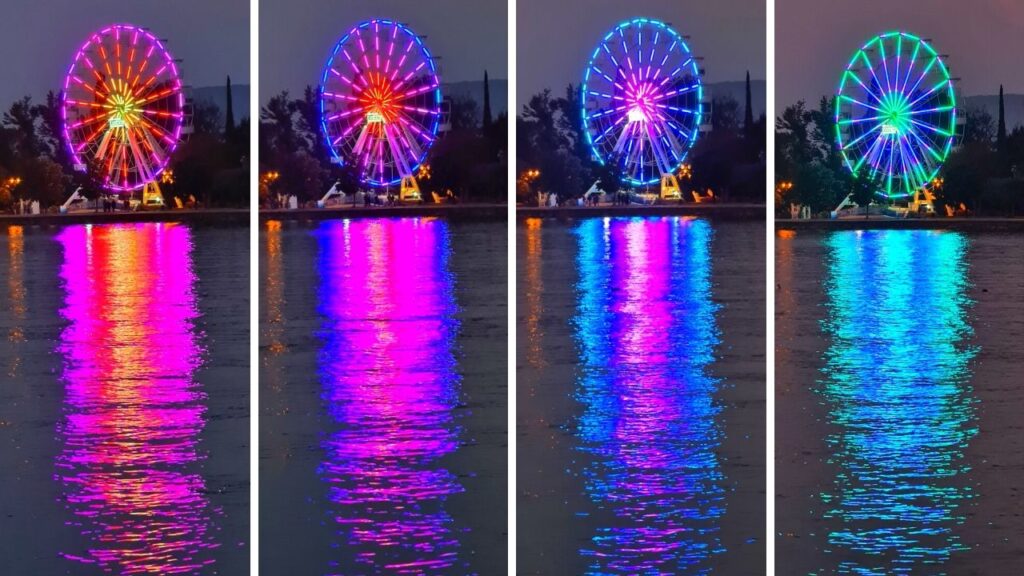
(145, 172)
(933, 151)
(679, 47)
(431, 132)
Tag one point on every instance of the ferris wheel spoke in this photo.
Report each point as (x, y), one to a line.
(878, 127)
(860, 120)
(871, 68)
(140, 164)
(932, 110)
(910, 68)
(924, 74)
(924, 142)
(167, 136)
(852, 100)
(867, 90)
(885, 65)
(931, 128)
(928, 94)
(606, 77)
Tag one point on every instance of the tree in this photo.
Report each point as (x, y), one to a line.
(229, 115)
(862, 190)
(276, 120)
(725, 114)
(22, 117)
(978, 127)
(206, 118)
(609, 175)
(1001, 130)
(488, 120)
(748, 116)
(793, 147)
(464, 113)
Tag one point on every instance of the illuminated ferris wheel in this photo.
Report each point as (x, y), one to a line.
(380, 104)
(642, 99)
(895, 112)
(123, 107)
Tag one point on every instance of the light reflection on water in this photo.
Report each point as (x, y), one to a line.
(128, 465)
(896, 384)
(16, 295)
(389, 384)
(646, 330)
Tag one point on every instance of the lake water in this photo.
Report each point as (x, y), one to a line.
(124, 399)
(899, 440)
(641, 396)
(383, 390)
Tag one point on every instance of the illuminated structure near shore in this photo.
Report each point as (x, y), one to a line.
(123, 109)
(642, 102)
(895, 115)
(380, 104)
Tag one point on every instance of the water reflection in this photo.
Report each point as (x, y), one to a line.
(273, 330)
(132, 410)
(896, 386)
(16, 296)
(645, 326)
(390, 387)
(534, 293)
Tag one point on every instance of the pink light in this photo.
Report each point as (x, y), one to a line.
(133, 412)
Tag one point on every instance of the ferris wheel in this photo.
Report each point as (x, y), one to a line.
(123, 107)
(895, 114)
(642, 99)
(380, 103)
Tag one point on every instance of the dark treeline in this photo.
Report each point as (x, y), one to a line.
(985, 172)
(469, 159)
(729, 159)
(211, 164)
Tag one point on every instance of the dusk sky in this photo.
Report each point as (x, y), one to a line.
(557, 37)
(297, 36)
(39, 38)
(815, 40)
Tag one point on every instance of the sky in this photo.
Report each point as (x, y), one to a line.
(297, 36)
(39, 39)
(557, 37)
(815, 39)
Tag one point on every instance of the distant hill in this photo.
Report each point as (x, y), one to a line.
(1012, 103)
(737, 90)
(217, 96)
(475, 90)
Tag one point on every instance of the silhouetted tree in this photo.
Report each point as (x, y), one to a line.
(748, 116)
(488, 120)
(229, 115)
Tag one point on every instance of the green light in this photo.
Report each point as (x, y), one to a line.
(895, 114)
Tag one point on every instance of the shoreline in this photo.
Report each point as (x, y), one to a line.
(477, 212)
(981, 224)
(735, 211)
(211, 216)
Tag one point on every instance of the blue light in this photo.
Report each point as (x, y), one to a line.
(896, 384)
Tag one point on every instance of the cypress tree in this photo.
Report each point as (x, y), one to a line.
(488, 120)
(748, 118)
(1001, 134)
(229, 126)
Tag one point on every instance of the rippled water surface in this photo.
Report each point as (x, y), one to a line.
(383, 389)
(898, 401)
(123, 408)
(641, 396)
